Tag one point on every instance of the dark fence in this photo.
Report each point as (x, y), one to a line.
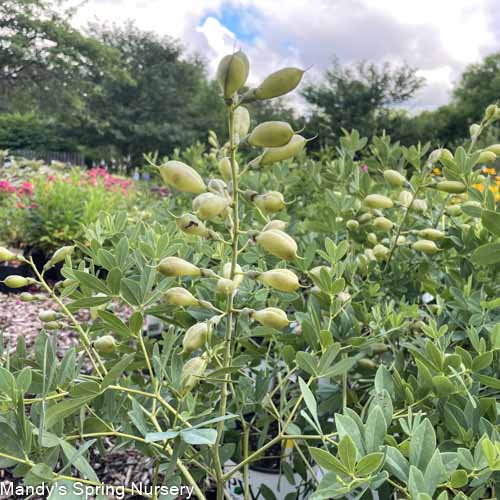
(62, 156)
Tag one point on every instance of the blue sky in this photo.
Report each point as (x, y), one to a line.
(439, 37)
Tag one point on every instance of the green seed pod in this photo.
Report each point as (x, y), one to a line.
(241, 122)
(238, 273)
(381, 252)
(270, 202)
(454, 187)
(209, 205)
(52, 325)
(445, 155)
(365, 218)
(182, 177)
(371, 238)
(105, 344)
(48, 315)
(293, 148)
(275, 224)
(190, 224)
(6, 255)
(232, 73)
(401, 240)
(218, 186)
(494, 148)
(61, 254)
(195, 337)
(394, 178)
(431, 234)
(178, 296)
(425, 246)
(490, 112)
(487, 157)
(225, 169)
(352, 225)
(191, 373)
(370, 254)
(419, 205)
(273, 134)
(383, 224)
(280, 279)
(175, 266)
(271, 316)
(15, 281)
(367, 364)
(378, 201)
(279, 83)
(474, 130)
(453, 210)
(344, 296)
(405, 198)
(27, 297)
(225, 286)
(278, 243)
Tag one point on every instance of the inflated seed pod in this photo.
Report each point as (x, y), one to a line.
(443, 155)
(494, 148)
(175, 266)
(425, 246)
(293, 148)
(454, 210)
(52, 325)
(401, 240)
(352, 225)
(14, 281)
(278, 243)
(275, 224)
(280, 279)
(272, 134)
(48, 315)
(405, 198)
(270, 202)
(209, 205)
(178, 296)
(370, 254)
(105, 344)
(491, 111)
(279, 83)
(419, 205)
(61, 254)
(454, 187)
(431, 234)
(381, 252)
(365, 218)
(26, 297)
(271, 316)
(6, 255)
(371, 238)
(238, 273)
(196, 337)
(190, 224)
(225, 168)
(192, 371)
(225, 286)
(232, 73)
(241, 122)
(394, 178)
(383, 224)
(378, 201)
(316, 271)
(182, 177)
(487, 157)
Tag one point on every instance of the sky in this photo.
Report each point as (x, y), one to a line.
(439, 37)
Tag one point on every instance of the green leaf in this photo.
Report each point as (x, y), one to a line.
(115, 323)
(435, 473)
(310, 401)
(88, 302)
(416, 482)
(38, 474)
(75, 457)
(117, 370)
(131, 292)
(10, 442)
(482, 361)
(487, 254)
(65, 490)
(443, 386)
(347, 453)
(491, 221)
(327, 461)
(375, 430)
(369, 464)
(8, 384)
(422, 445)
(24, 379)
(347, 426)
(492, 382)
(307, 362)
(59, 411)
(89, 281)
(459, 478)
(396, 464)
(199, 436)
(152, 437)
(340, 368)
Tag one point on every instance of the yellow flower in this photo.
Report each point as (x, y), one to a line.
(478, 186)
(494, 189)
(489, 170)
(436, 171)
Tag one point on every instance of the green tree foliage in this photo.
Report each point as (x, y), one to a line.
(360, 95)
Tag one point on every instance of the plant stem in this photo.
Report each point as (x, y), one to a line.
(229, 309)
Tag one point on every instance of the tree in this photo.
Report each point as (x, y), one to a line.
(360, 96)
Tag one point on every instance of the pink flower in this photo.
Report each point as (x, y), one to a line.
(363, 168)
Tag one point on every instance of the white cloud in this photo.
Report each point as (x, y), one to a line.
(438, 36)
